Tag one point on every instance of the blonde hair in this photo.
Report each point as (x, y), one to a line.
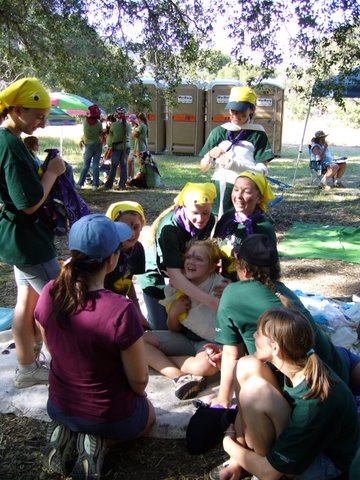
(294, 335)
(212, 250)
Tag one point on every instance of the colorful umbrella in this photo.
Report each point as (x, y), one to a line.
(58, 117)
(70, 103)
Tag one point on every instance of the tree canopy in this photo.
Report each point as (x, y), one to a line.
(100, 49)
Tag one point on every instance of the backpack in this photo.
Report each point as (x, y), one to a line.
(64, 205)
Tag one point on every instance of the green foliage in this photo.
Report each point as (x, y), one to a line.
(99, 49)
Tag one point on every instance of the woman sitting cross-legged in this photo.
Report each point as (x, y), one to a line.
(306, 429)
(178, 353)
(98, 371)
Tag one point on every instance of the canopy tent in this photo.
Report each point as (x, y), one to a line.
(348, 86)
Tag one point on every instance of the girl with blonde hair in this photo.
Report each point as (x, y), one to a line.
(179, 352)
(189, 218)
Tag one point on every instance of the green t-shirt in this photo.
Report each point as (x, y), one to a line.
(92, 132)
(241, 305)
(258, 138)
(167, 251)
(141, 143)
(24, 239)
(354, 473)
(118, 134)
(232, 235)
(330, 427)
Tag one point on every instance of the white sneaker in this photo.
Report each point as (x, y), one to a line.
(324, 185)
(38, 376)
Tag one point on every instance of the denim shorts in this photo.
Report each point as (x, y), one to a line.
(121, 430)
(351, 359)
(37, 276)
(322, 468)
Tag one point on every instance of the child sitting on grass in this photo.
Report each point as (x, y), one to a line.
(98, 372)
(178, 353)
(132, 259)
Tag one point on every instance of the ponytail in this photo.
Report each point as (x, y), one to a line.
(70, 289)
(295, 337)
(316, 377)
(267, 276)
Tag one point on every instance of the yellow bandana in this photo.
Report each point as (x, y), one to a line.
(26, 92)
(263, 185)
(194, 193)
(118, 208)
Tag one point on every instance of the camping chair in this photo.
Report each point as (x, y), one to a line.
(280, 189)
(318, 170)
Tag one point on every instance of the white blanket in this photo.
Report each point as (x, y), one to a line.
(172, 414)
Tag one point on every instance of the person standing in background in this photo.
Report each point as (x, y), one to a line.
(141, 134)
(120, 134)
(133, 120)
(235, 146)
(92, 137)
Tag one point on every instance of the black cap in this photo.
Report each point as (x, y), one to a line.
(257, 249)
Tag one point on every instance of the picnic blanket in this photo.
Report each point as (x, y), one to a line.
(322, 241)
(172, 414)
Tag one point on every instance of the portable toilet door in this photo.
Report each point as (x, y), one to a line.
(217, 97)
(270, 111)
(185, 120)
(156, 116)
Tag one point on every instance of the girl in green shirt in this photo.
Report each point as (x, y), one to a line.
(25, 240)
(309, 427)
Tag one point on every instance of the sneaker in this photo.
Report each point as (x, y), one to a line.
(60, 451)
(91, 450)
(324, 185)
(188, 386)
(338, 184)
(38, 376)
(94, 187)
(214, 474)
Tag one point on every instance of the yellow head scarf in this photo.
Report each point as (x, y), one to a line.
(263, 185)
(26, 92)
(194, 193)
(118, 208)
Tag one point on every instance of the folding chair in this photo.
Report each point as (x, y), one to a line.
(317, 170)
(281, 188)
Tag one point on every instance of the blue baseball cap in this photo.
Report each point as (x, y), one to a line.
(97, 236)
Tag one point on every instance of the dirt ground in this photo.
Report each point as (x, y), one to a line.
(22, 439)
